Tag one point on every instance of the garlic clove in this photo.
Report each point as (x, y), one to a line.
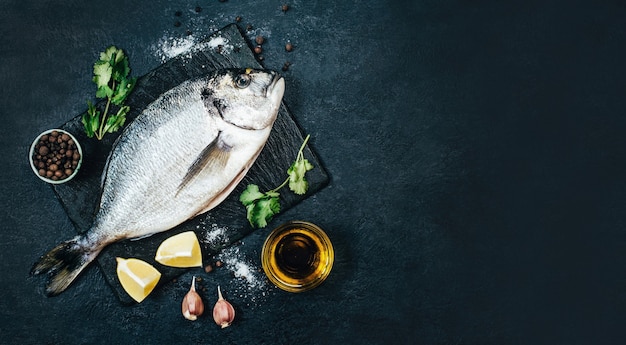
(223, 312)
(192, 306)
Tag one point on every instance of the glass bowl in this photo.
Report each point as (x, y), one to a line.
(297, 256)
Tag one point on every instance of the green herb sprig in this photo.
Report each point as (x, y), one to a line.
(261, 207)
(111, 76)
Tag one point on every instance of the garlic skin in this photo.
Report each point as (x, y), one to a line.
(223, 312)
(192, 306)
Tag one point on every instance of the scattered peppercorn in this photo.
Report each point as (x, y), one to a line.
(285, 8)
(258, 49)
(288, 46)
(237, 19)
(259, 39)
(218, 263)
(178, 13)
(249, 27)
(198, 9)
(286, 66)
(188, 32)
(208, 268)
(55, 156)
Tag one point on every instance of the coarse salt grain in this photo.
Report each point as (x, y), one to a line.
(249, 286)
(214, 235)
(170, 47)
(218, 43)
(236, 262)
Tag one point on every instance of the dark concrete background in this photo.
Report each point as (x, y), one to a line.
(476, 156)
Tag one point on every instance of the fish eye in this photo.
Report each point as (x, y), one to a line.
(242, 81)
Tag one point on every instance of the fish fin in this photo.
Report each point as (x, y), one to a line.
(63, 263)
(231, 186)
(214, 156)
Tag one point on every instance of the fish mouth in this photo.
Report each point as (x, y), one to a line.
(276, 88)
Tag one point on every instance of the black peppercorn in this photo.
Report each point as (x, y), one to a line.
(55, 156)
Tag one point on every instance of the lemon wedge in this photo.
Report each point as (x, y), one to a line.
(182, 250)
(137, 277)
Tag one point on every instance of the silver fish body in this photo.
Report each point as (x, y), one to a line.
(182, 156)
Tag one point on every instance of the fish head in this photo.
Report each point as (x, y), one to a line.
(247, 98)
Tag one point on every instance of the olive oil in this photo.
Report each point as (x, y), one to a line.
(297, 256)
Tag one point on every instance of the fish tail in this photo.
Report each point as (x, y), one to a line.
(64, 263)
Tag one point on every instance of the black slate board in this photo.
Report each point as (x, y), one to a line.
(80, 196)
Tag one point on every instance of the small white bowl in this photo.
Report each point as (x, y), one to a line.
(36, 170)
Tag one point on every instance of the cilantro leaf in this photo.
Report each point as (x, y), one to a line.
(262, 211)
(262, 207)
(102, 72)
(115, 122)
(121, 69)
(112, 55)
(104, 91)
(123, 90)
(250, 195)
(297, 182)
(110, 74)
(91, 120)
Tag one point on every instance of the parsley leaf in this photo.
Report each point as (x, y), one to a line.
(262, 211)
(297, 182)
(250, 195)
(116, 121)
(123, 90)
(111, 76)
(91, 120)
(102, 73)
(261, 207)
